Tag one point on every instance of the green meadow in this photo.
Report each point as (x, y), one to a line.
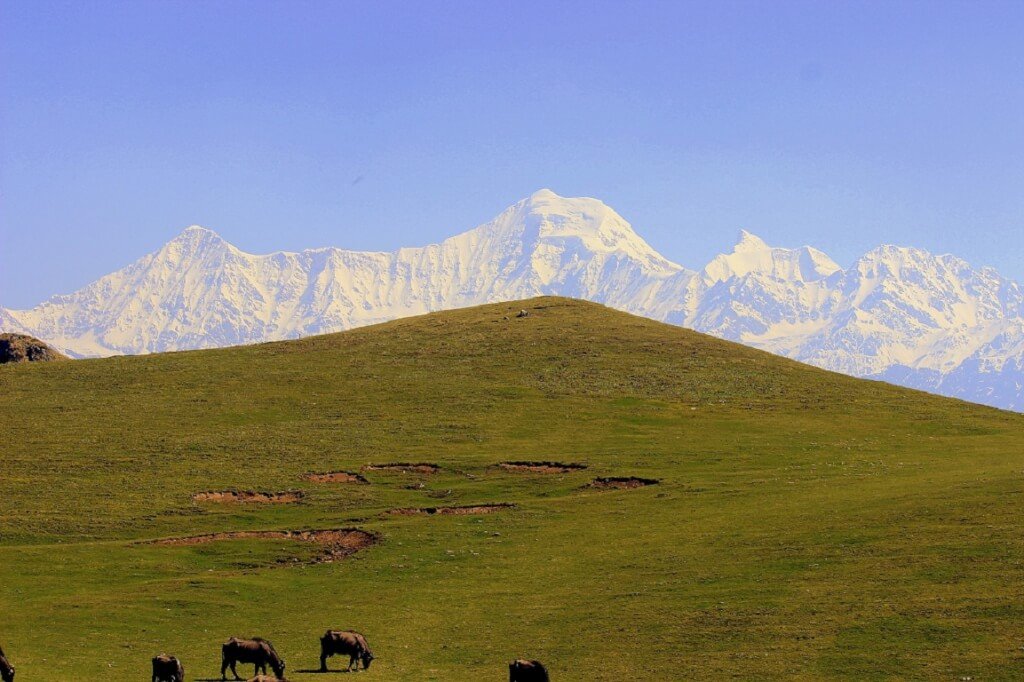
(806, 525)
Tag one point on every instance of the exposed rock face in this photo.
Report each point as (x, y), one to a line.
(24, 348)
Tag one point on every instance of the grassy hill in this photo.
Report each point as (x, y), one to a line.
(807, 525)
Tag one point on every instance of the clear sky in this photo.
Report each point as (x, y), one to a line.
(373, 125)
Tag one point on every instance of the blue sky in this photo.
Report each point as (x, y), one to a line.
(373, 125)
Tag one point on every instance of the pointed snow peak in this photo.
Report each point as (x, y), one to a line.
(814, 261)
(747, 241)
(543, 194)
(752, 255)
(194, 240)
(197, 233)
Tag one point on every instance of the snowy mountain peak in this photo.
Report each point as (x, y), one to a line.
(902, 314)
(590, 225)
(747, 241)
(543, 194)
(194, 233)
(752, 255)
(194, 240)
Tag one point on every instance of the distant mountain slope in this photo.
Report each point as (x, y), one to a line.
(900, 314)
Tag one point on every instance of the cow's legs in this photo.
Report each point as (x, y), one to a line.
(235, 672)
(323, 662)
(224, 668)
(352, 661)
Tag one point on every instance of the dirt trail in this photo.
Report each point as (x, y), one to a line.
(453, 511)
(336, 543)
(405, 467)
(622, 482)
(543, 467)
(253, 496)
(337, 477)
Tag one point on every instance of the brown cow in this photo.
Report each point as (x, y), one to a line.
(257, 651)
(527, 671)
(167, 669)
(345, 642)
(6, 669)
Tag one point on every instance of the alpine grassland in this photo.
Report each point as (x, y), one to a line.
(803, 524)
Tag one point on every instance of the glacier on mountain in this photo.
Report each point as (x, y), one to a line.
(898, 314)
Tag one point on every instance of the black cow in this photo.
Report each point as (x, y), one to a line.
(257, 651)
(167, 669)
(345, 643)
(527, 671)
(6, 669)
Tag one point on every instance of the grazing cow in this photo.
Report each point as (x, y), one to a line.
(257, 651)
(6, 669)
(167, 669)
(527, 671)
(344, 643)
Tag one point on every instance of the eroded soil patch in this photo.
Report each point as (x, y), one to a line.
(464, 510)
(249, 496)
(543, 467)
(622, 482)
(405, 467)
(337, 477)
(335, 543)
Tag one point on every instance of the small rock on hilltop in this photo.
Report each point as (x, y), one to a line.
(24, 348)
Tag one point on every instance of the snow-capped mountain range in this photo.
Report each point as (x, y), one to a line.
(900, 314)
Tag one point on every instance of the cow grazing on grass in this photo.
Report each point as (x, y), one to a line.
(6, 669)
(527, 671)
(167, 669)
(345, 643)
(257, 651)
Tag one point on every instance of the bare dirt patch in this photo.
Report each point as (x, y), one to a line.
(622, 482)
(337, 477)
(249, 496)
(335, 543)
(405, 467)
(465, 510)
(543, 467)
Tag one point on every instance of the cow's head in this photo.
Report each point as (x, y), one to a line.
(278, 667)
(366, 657)
(8, 675)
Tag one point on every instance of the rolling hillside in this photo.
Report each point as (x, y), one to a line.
(804, 524)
